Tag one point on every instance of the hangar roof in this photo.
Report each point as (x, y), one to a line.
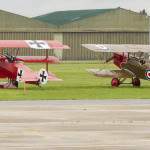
(13, 22)
(63, 17)
(97, 20)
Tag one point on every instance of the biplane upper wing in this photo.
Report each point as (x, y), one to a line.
(117, 48)
(34, 44)
(123, 73)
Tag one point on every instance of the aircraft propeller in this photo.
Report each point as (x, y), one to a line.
(9, 57)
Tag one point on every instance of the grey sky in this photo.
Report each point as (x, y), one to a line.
(37, 7)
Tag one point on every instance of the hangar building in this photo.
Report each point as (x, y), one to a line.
(75, 27)
(15, 27)
(97, 26)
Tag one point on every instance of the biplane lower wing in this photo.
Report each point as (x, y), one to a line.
(112, 73)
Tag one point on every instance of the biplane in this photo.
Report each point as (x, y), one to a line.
(130, 65)
(14, 69)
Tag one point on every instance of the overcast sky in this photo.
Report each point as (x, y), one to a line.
(32, 8)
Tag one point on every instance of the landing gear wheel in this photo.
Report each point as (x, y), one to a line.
(115, 82)
(136, 82)
(15, 83)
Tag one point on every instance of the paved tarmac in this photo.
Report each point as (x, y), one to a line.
(75, 125)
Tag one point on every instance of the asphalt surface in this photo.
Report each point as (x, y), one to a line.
(75, 125)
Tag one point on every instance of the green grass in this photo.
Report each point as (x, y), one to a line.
(77, 84)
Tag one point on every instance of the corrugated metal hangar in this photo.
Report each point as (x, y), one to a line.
(17, 27)
(79, 26)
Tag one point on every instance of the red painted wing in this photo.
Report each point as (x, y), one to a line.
(32, 77)
(38, 59)
(57, 45)
(28, 74)
(34, 44)
(52, 77)
(13, 44)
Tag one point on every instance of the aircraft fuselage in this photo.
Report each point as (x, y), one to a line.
(131, 64)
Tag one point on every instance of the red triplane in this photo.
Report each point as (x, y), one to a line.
(13, 68)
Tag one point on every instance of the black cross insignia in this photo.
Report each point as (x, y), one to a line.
(43, 76)
(20, 73)
(38, 44)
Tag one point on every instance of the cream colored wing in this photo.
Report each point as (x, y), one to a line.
(117, 48)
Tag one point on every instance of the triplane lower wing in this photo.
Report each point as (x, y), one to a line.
(129, 66)
(12, 67)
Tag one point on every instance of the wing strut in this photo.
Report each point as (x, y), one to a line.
(47, 59)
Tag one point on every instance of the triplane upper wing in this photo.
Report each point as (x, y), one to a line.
(116, 48)
(34, 44)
